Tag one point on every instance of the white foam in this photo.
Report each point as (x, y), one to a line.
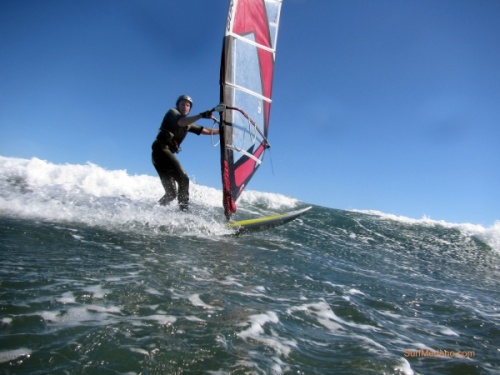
(404, 368)
(153, 291)
(389, 314)
(162, 319)
(92, 195)
(9, 355)
(271, 200)
(490, 235)
(196, 301)
(75, 316)
(230, 280)
(256, 332)
(96, 291)
(50, 316)
(449, 332)
(256, 323)
(356, 291)
(192, 318)
(327, 318)
(139, 350)
(103, 309)
(67, 297)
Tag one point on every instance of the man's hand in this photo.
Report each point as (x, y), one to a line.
(206, 114)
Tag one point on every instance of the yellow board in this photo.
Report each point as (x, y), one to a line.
(262, 223)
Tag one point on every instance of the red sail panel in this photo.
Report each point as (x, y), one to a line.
(250, 18)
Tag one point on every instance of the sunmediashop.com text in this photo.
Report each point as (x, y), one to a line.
(439, 353)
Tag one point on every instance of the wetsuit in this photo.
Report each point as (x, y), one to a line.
(166, 144)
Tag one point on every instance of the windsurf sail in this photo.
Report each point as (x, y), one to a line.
(246, 80)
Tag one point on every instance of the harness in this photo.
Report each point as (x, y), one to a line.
(169, 141)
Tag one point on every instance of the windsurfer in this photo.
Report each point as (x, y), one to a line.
(174, 128)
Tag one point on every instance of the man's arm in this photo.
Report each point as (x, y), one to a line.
(208, 131)
(186, 121)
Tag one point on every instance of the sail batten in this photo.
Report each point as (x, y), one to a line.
(247, 69)
(245, 40)
(256, 94)
(251, 156)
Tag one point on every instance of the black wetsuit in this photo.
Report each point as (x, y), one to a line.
(166, 144)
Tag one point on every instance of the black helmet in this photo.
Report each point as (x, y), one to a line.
(184, 97)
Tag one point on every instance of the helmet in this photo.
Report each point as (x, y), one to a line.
(184, 97)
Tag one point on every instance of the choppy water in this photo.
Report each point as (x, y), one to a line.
(95, 278)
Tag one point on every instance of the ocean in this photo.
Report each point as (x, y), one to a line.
(97, 278)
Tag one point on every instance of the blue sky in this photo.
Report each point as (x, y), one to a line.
(384, 105)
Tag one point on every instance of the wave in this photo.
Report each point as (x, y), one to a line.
(489, 235)
(89, 194)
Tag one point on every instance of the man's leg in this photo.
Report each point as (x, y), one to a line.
(170, 189)
(163, 162)
(183, 197)
(167, 165)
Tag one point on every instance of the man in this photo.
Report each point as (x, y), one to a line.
(174, 128)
